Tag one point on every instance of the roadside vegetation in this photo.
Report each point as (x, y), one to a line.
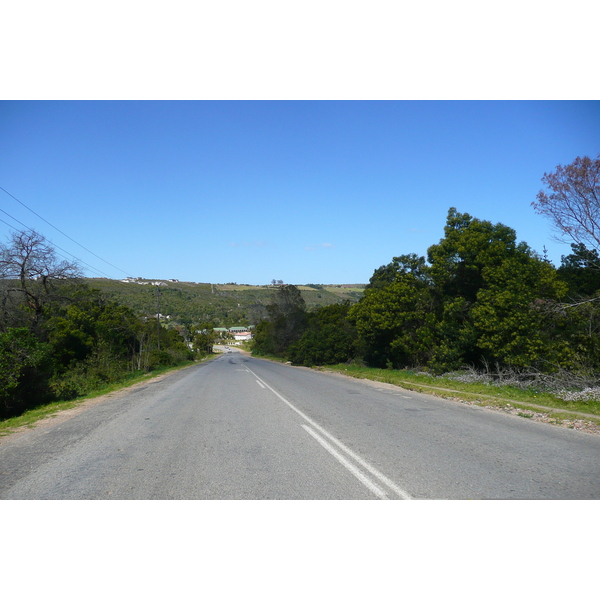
(28, 418)
(481, 313)
(470, 385)
(61, 340)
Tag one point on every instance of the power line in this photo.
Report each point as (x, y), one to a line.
(62, 232)
(53, 244)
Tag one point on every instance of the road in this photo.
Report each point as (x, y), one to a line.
(243, 428)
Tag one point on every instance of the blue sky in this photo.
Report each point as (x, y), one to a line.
(303, 191)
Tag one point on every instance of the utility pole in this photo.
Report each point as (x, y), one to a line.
(158, 314)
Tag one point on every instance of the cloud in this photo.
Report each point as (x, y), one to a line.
(257, 244)
(319, 246)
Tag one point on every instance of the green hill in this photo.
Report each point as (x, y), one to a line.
(226, 304)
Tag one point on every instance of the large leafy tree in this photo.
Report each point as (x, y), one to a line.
(204, 338)
(395, 323)
(468, 247)
(89, 323)
(24, 371)
(482, 297)
(400, 265)
(329, 337)
(285, 324)
(494, 293)
(513, 315)
(580, 270)
(462, 265)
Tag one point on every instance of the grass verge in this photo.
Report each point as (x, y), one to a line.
(30, 417)
(271, 357)
(479, 393)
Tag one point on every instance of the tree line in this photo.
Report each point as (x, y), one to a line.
(479, 298)
(60, 338)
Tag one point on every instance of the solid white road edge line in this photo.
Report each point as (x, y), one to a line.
(356, 472)
(382, 478)
(260, 383)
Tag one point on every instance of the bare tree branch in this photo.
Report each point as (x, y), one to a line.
(573, 204)
(32, 262)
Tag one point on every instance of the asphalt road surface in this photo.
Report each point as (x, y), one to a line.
(242, 428)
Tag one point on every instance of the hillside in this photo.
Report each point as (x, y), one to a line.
(225, 304)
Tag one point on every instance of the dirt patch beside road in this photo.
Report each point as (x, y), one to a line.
(578, 424)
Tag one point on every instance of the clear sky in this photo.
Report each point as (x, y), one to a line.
(302, 191)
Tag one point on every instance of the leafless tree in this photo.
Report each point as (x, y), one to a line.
(573, 201)
(29, 267)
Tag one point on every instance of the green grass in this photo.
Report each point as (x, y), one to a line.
(30, 417)
(272, 357)
(481, 393)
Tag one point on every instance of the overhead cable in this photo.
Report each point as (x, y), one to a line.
(62, 232)
(52, 243)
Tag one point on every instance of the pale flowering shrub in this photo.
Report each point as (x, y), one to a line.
(588, 391)
(468, 377)
(587, 395)
(566, 385)
(516, 382)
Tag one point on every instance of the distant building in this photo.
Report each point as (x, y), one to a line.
(242, 336)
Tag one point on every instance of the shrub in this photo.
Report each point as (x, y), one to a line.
(24, 371)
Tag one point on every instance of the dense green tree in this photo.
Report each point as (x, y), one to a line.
(204, 338)
(285, 324)
(580, 270)
(24, 371)
(263, 341)
(88, 321)
(468, 246)
(400, 265)
(486, 286)
(329, 337)
(395, 323)
(511, 315)
(481, 298)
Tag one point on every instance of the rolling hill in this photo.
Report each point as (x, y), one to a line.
(183, 302)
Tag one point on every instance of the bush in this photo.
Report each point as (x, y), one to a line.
(586, 395)
(94, 373)
(25, 365)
